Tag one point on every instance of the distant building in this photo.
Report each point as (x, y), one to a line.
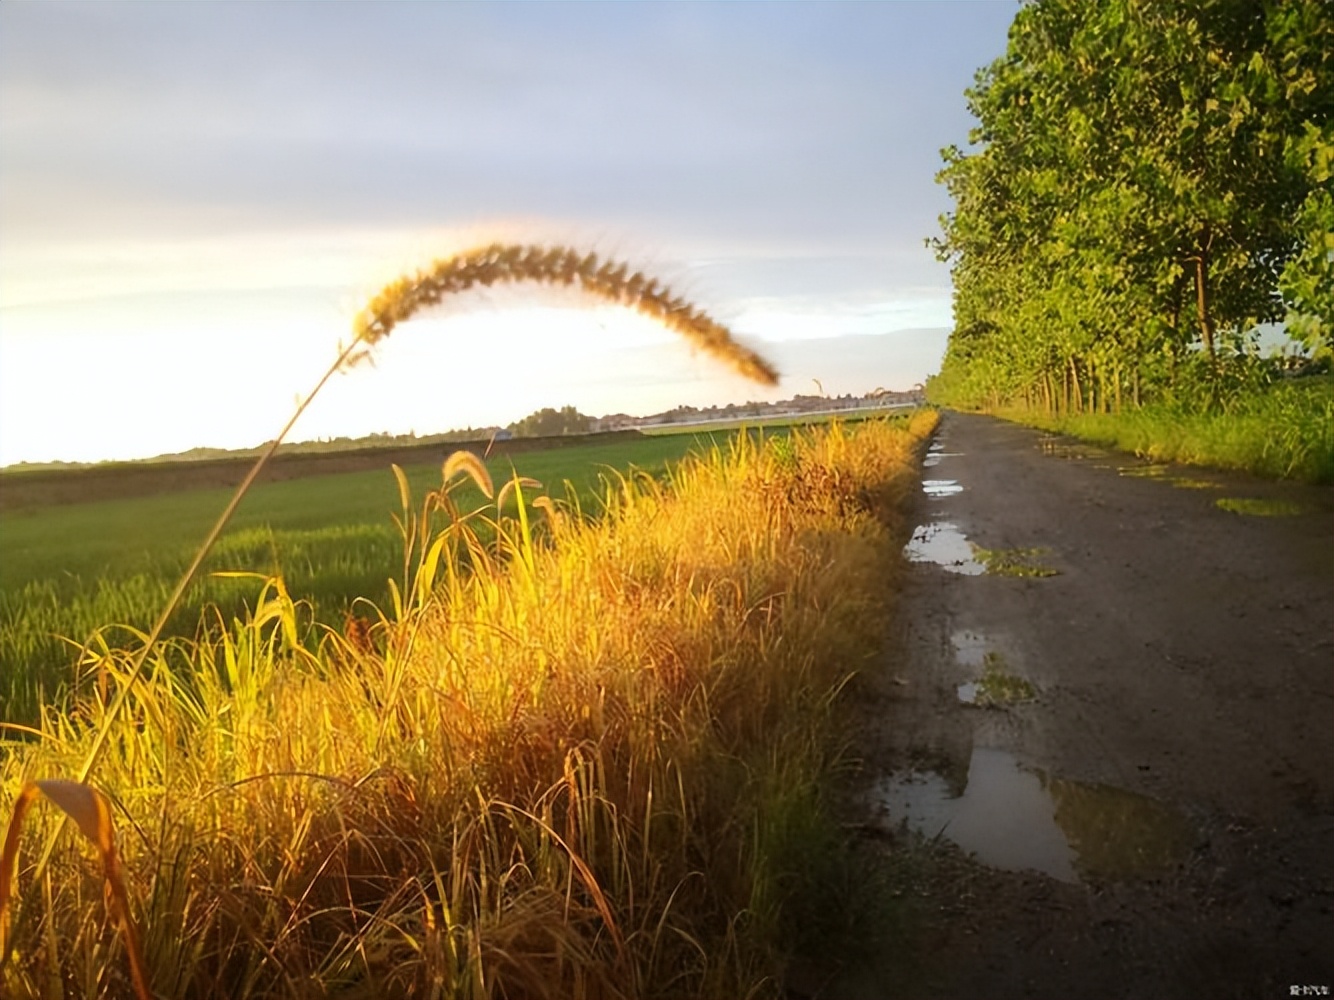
(614, 422)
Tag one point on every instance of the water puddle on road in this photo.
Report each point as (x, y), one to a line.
(941, 487)
(946, 546)
(995, 686)
(1050, 444)
(1014, 818)
(1154, 470)
(1163, 473)
(935, 453)
(970, 648)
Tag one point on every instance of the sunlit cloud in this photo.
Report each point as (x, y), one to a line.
(197, 199)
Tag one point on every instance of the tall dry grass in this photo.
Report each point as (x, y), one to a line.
(577, 769)
(588, 760)
(402, 299)
(396, 303)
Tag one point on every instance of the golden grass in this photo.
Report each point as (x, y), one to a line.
(586, 764)
(553, 770)
(608, 280)
(402, 299)
(92, 814)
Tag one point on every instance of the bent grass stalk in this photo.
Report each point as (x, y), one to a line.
(92, 814)
(400, 301)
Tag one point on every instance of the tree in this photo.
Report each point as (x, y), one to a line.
(547, 422)
(1146, 182)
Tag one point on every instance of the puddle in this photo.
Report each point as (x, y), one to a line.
(1051, 445)
(1183, 483)
(1014, 818)
(1014, 562)
(1259, 508)
(995, 688)
(941, 487)
(933, 458)
(1144, 471)
(1004, 816)
(970, 648)
(946, 546)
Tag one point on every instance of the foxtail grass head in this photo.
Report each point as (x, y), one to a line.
(500, 263)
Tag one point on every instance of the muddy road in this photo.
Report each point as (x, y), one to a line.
(1103, 734)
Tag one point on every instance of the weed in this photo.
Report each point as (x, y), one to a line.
(1259, 508)
(1283, 431)
(1014, 562)
(996, 688)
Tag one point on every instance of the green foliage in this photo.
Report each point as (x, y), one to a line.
(1146, 183)
(1307, 281)
(1284, 431)
(547, 422)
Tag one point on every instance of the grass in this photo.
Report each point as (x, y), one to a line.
(1014, 562)
(1259, 508)
(584, 757)
(69, 570)
(996, 688)
(575, 756)
(1285, 431)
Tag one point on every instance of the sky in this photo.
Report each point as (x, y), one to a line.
(196, 200)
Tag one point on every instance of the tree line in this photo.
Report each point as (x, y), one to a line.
(1148, 181)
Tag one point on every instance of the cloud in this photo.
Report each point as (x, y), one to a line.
(766, 120)
(221, 179)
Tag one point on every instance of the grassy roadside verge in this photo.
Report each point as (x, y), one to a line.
(589, 768)
(1285, 432)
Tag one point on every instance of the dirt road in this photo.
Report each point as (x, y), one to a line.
(1116, 725)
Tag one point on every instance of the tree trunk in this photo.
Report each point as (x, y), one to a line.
(1202, 293)
(1076, 390)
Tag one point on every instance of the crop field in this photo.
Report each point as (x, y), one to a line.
(791, 420)
(72, 569)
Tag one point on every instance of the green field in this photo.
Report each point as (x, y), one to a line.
(787, 420)
(70, 570)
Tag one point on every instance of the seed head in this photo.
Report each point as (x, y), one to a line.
(501, 263)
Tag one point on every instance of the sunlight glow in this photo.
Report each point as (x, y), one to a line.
(143, 349)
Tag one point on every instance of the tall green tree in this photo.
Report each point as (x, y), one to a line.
(1146, 175)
